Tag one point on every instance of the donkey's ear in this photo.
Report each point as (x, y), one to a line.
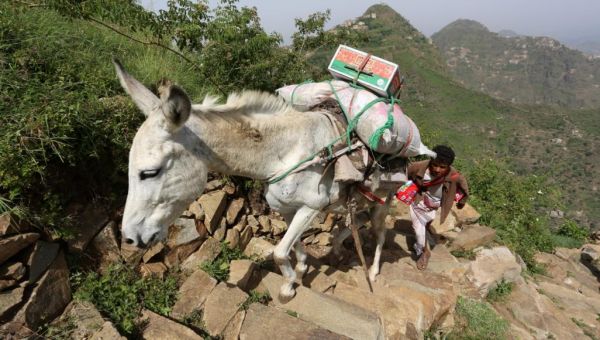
(143, 98)
(176, 105)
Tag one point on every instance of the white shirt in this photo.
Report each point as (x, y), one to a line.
(432, 197)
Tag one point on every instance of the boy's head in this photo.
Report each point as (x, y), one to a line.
(440, 165)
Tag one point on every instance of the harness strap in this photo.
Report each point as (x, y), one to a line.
(370, 195)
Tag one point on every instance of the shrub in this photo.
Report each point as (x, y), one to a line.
(121, 294)
(476, 320)
(514, 205)
(500, 292)
(256, 297)
(219, 267)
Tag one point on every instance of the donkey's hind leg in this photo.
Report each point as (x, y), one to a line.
(304, 216)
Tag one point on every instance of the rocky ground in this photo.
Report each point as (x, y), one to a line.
(333, 300)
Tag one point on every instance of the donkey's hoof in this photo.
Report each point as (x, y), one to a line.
(373, 275)
(286, 294)
(301, 270)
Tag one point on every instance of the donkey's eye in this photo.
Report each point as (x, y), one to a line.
(148, 174)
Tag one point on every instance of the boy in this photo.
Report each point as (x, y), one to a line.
(438, 183)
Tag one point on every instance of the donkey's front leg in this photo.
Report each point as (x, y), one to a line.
(304, 216)
(378, 214)
(301, 265)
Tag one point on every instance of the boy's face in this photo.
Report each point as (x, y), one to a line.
(438, 169)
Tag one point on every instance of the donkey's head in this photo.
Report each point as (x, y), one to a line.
(165, 175)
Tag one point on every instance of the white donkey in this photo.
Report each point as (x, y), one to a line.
(254, 135)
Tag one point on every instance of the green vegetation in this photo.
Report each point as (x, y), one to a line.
(291, 313)
(511, 204)
(219, 267)
(477, 320)
(500, 292)
(61, 331)
(121, 294)
(467, 254)
(256, 297)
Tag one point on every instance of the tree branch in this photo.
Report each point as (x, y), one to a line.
(181, 55)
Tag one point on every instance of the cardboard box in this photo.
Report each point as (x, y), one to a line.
(378, 75)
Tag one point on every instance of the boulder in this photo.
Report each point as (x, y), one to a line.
(7, 283)
(265, 224)
(220, 307)
(232, 238)
(209, 250)
(441, 228)
(472, 237)
(491, 266)
(153, 251)
(580, 304)
(538, 314)
(409, 301)
(156, 269)
(84, 316)
(467, 215)
(262, 322)
(192, 294)
(221, 231)
(278, 227)
(253, 223)
(259, 248)
(326, 311)
(49, 297)
(182, 231)
(106, 246)
(234, 209)
(131, 254)
(12, 245)
(232, 331)
(328, 223)
(245, 237)
(242, 223)
(43, 255)
(214, 204)
(240, 272)
(9, 299)
(107, 332)
(161, 328)
(317, 280)
(196, 209)
(9, 226)
(590, 253)
(12, 271)
(180, 254)
(91, 221)
(323, 239)
(214, 185)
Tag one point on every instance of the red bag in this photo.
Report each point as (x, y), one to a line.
(459, 195)
(407, 192)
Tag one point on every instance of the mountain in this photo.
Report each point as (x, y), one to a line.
(521, 69)
(546, 140)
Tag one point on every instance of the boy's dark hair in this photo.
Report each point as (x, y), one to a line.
(444, 154)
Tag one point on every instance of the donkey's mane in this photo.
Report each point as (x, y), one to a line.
(245, 103)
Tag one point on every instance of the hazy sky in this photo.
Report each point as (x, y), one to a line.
(561, 19)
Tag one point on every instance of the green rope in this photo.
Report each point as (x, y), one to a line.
(376, 136)
(352, 123)
(295, 88)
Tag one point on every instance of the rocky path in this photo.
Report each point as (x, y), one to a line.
(333, 300)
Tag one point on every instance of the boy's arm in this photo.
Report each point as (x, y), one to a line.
(464, 186)
(412, 170)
